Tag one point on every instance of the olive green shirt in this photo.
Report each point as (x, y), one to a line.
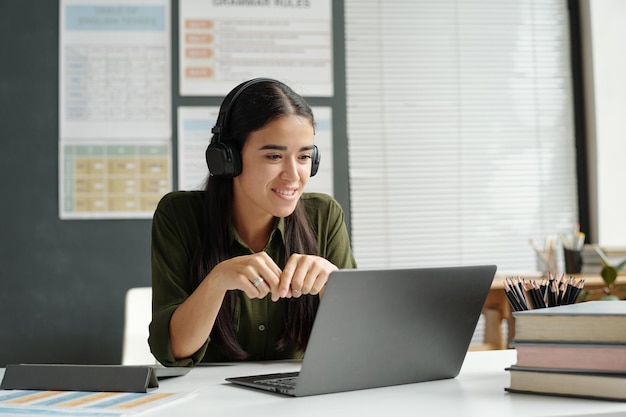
(258, 323)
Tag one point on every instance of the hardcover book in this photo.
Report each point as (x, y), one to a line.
(588, 356)
(590, 322)
(604, 385)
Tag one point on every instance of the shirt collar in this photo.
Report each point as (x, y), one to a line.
(277, 233)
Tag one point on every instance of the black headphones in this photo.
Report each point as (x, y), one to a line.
(222, 155)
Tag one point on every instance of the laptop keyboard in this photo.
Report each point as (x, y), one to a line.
(288, 382)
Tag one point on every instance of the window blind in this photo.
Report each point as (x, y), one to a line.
(460, 130)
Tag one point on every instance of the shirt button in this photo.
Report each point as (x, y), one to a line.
(261, 327)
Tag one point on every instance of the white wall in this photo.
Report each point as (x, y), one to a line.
(604, 33)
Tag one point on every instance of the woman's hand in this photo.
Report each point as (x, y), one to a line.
(304, 274)
(193, 320)
(190, 325)
(256, 275)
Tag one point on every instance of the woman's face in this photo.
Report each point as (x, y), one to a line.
(276, 166)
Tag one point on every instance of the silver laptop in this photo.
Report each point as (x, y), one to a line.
(377, 328)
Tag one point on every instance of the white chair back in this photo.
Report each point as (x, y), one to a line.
(137, 317)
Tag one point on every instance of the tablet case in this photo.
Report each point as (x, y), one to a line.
(61, 377)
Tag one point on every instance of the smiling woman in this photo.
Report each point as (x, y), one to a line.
(238, 269)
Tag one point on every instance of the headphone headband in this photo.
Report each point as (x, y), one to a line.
(229, 100)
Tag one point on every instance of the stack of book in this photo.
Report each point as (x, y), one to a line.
(575, 350)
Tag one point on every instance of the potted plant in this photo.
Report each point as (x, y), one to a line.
(609, 273)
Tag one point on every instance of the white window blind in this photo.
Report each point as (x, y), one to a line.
(460, 130)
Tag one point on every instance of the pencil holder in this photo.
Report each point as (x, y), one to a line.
(573, 261)
(546, 262)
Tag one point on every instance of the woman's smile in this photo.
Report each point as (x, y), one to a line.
(286, 192)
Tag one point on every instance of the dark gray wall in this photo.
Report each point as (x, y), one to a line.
(62, 283)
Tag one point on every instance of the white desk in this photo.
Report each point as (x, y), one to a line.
(477, 391)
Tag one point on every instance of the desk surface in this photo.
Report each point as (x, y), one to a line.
(477, 391)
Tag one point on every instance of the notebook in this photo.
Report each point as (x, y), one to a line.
(377, 328)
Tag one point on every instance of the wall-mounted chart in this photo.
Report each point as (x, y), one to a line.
(114, 108)
(225, 42)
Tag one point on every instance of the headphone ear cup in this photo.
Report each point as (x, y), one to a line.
(315, 160)
(223, 160)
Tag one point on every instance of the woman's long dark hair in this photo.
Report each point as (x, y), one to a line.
(255, 106)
